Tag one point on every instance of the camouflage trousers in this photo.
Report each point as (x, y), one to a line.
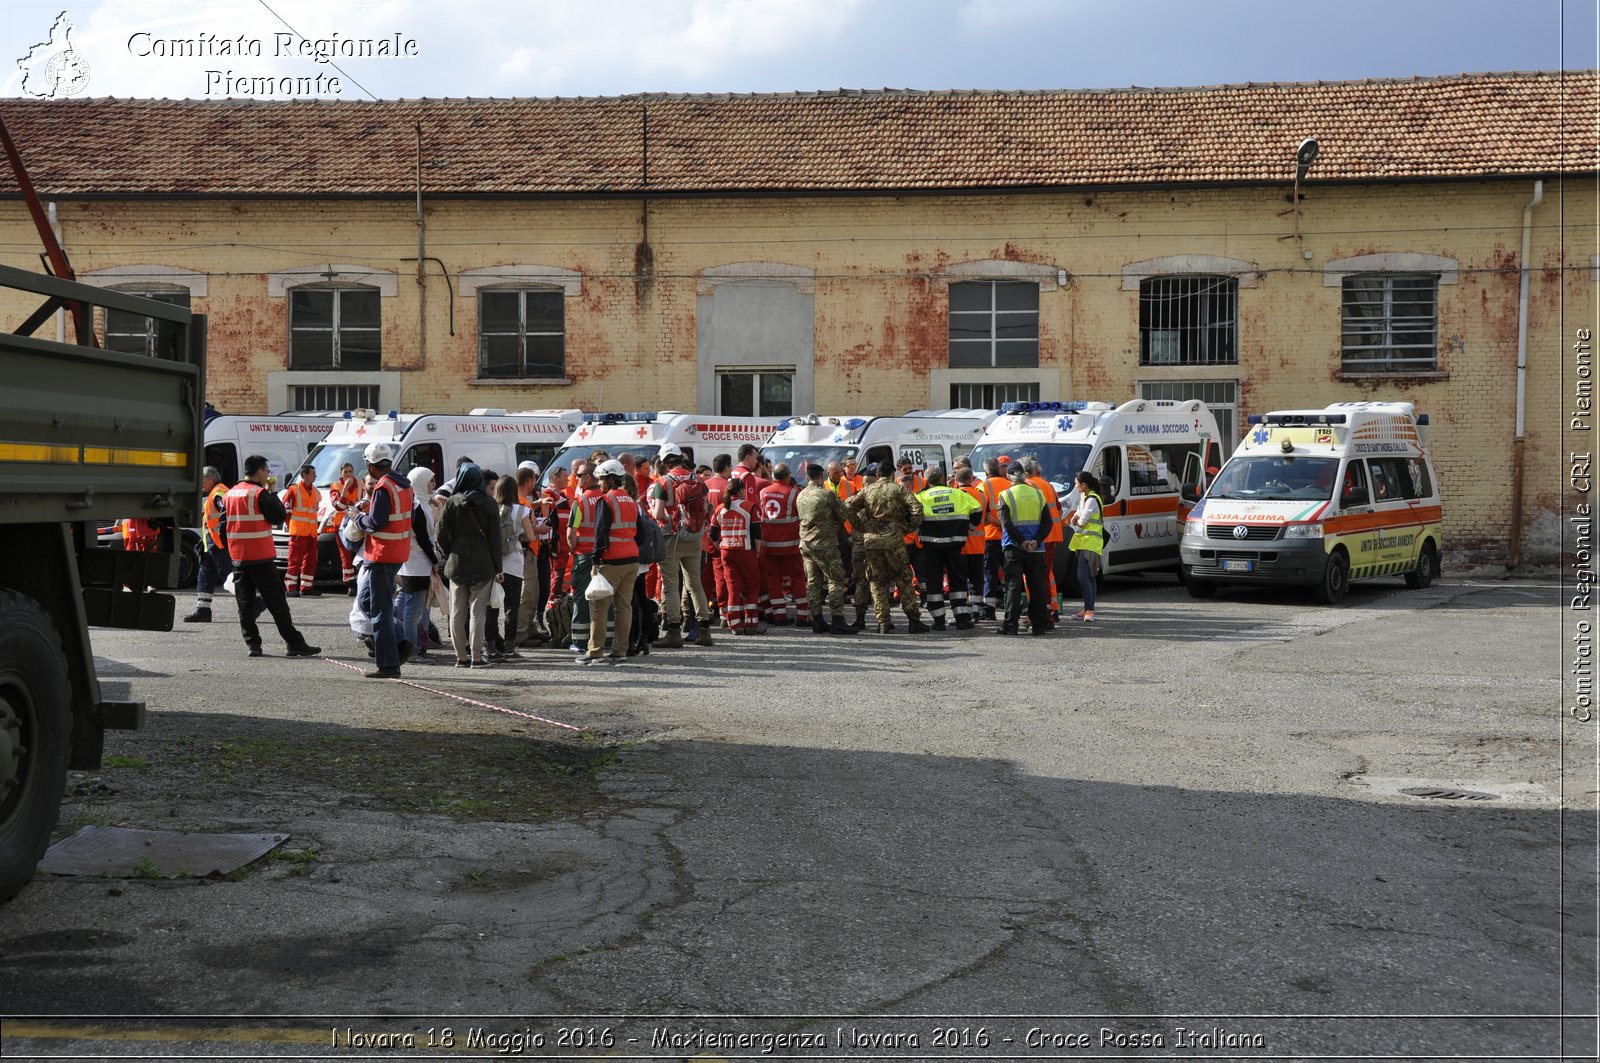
(824, 577)
(887, 569)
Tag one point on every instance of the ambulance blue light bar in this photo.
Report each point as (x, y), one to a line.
(618, 418)
(1074, 406)
(1296, 418)
(853, 423)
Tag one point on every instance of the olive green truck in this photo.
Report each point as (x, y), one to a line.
(87, 436)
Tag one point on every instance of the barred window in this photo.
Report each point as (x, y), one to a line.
(1220, 396)
(322, 398)
(1391, 322)
(1188, 321)
(990, 396)
(151, 336)
(334, 328)
(522, 333)
(994, 323)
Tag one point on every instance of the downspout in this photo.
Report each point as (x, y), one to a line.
(422, 263)
(1520, 439)
(55, 227)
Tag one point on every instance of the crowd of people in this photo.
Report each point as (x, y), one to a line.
(619, 556)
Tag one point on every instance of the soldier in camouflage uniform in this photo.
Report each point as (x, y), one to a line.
(886, 513)
(822, 519)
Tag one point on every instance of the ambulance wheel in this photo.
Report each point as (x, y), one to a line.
(1427, 568)
(1199, 588)
(1335, 578)
(34, 707)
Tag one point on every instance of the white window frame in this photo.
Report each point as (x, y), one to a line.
(755, 372)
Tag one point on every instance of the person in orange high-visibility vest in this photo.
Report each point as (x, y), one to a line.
(301, 501)
(615, 555)
(214, 561)
(388, 518)
(343, 494)
(994, 556)
(251, 513)
(1055, 537)
(972, 550)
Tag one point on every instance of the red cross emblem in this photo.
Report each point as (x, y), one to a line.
(583, 433)
(641, 432)
(361, 430)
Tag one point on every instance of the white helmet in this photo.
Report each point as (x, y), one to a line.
(670, 450)
(378, 453)
(611, 468)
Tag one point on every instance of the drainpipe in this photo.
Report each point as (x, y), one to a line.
(61, 314)
(1520, 439)
(422, 262)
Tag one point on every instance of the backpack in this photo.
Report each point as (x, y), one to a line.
(508, 529)
(652, 544)
(689, 496)
(558, 619)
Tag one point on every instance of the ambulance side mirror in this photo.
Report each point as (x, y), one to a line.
(1356, 496)
(1190, 493)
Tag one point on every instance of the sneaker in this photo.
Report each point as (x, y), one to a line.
(480, 664)
(384, 673)
(199, 616)
(405, 651)
(463, 664)
(304, 650)
(255, 651)
(1088, 620)
(291, 594)
(511, 655)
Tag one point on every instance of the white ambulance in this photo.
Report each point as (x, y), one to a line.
(927, 437)
(284, 440)
(1152, 457)
(493, 438)
(701, 437)
(1318, 498)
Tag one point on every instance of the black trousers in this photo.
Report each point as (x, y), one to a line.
(1023, 566)
(941, 563)
(252, 578)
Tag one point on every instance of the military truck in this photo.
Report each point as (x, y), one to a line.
(87, 436)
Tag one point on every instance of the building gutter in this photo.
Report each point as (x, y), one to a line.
(1519, 441)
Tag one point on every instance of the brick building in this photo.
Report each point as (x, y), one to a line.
(867, 252)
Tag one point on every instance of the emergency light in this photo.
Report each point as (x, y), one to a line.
(1296, 418)
(618, 418)
(1072, 406)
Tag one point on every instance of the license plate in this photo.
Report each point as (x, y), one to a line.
(1238, 566)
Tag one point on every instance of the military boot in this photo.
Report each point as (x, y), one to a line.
(672, 640)
(861, 619)
(819, 626)
(841, 626)
(938, 623)
(201, 615)
(917, 627)
(704, 637)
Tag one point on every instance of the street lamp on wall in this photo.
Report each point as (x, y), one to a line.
(1304, 156)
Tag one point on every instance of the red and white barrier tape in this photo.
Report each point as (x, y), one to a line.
(468, 701)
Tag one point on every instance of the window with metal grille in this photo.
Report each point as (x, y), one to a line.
(1188, 321)
(133, 334)
(1221, 396)
(755, 393)
(320, 398)
(334, 328)
(1391, 322)
(994, 323)
(990, 396)
(522, 333)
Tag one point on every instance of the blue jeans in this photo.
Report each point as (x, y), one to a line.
(1088, 575)
(380, 607)
(413, 610)
(215, 564)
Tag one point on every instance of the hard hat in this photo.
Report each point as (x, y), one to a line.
(610, 468)
(531, 466)
(670, 450)
(378, 453)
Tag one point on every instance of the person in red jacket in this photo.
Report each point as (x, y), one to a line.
(780, 551)
(736, 541)
(251, 512)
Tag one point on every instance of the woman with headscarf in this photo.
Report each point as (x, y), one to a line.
(469, 537)
(416, 574)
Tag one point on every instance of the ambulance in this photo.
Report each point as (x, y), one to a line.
(1317, 498)
(701, 437)
(1151, 456)
(928, 438)
(493, 438)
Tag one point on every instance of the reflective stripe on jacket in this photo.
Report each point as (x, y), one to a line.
(1055, 535)
(733, 526)
(392, 545)
(1026, 506)
(301, 502)
(780, 521)
(249, 534)
(622, 538)
(214, 515)
(1089, 537)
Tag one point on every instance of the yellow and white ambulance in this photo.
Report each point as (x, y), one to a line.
(927, 438)
(1152, 456)
(1319, 498)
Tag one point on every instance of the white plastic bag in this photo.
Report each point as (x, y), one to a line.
(599, 587)
(497, 596)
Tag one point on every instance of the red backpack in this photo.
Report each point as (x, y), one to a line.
(689, 497)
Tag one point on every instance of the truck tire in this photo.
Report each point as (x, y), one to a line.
(34, 728)
(1427, 568)
(1335, 578)
(188, 559)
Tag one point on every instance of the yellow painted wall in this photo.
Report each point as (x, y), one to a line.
(879, 280)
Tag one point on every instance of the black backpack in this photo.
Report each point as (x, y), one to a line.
(652, 544)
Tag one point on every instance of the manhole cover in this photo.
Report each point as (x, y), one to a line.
(1448, 794)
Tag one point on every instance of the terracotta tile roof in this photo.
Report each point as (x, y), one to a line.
(1466, 126)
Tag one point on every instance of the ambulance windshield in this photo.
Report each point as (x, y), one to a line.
(1276, 478)
(1060, 462)
(567, 455)
(329, 458)
(798, 457)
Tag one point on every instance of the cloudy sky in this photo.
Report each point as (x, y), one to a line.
(606, 47)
